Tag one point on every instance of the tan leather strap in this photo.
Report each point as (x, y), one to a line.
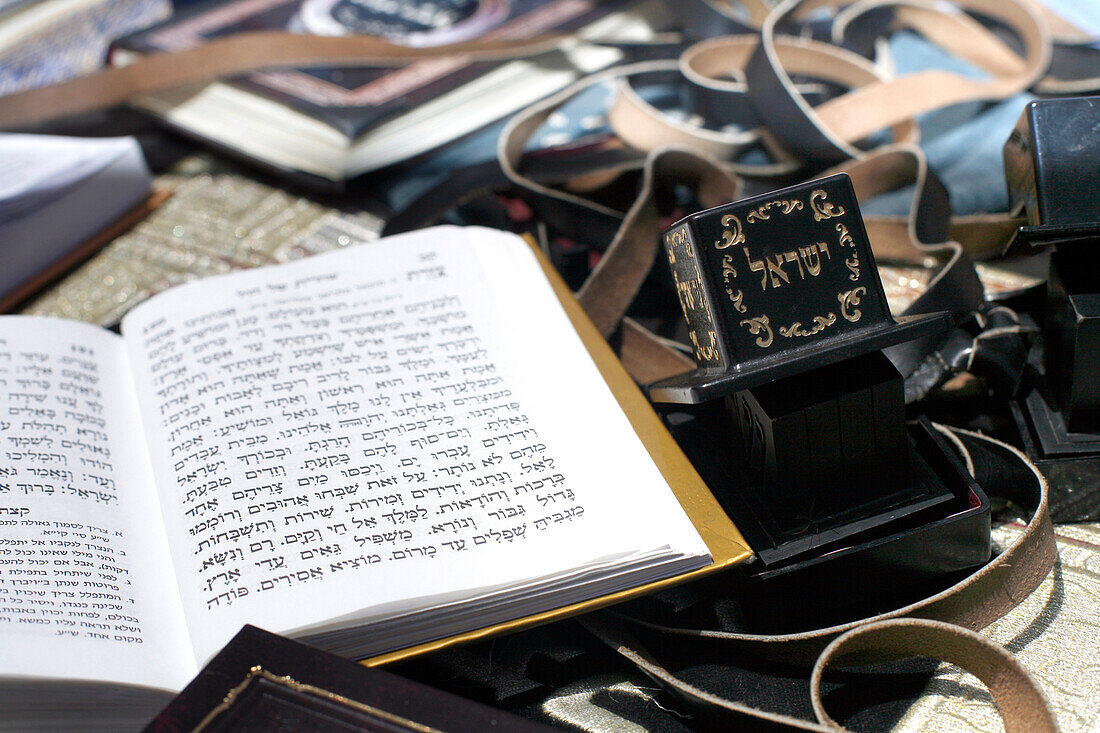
(707, 65)
(982, 236)
(1018, 697)
(973, 603)
(829, 131)
(648, 357)
(612, 285)
(520, 129)
(955, 286)
(942, 627)
(905, 98)
(1071, 44)
(738, 716)
(235, 54)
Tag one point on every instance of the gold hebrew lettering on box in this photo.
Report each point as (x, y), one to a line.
(775, 269)
(811, 257)
(690, 293)
(805, 260)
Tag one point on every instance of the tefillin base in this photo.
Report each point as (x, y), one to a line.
(1052, 166)
(796, 420)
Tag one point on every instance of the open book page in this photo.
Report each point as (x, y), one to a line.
(408, 419)
(86, 585)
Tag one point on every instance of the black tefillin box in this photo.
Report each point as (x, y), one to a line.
(796, 419)
(1052, 166)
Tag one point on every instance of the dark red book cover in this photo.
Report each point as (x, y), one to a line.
(264, 682)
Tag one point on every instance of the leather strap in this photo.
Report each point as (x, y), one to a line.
(241, 52)
(942, 626)
(829, 132)
(702, 704)
(1021, 702)
(826, 132)
(614, 283)
(707, 18)
(705, 67)
(974, 602)
(1074, 63)
(1019, 699)
(954, 288)
(835, 127)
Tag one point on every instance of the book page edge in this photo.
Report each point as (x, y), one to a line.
(727, 547)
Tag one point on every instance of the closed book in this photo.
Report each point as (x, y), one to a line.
(337, 123)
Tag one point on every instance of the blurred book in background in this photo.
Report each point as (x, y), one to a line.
(335, 124)
(61, 199)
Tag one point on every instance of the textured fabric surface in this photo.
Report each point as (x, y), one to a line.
(215, 222)
(1055, 633)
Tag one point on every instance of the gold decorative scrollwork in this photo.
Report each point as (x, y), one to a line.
(760, 326)
(848, 300)
(730, 272)
(732, 234)
(761, 212)
(737, 298)
(820, 324)
(853, 267)
(823, 209)
(845, 237)
(853, 261)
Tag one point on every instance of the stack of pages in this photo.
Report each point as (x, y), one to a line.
(369, 449)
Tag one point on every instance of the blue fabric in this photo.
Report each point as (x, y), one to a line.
(963, 143)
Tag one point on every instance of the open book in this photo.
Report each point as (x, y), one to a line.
(370, 449)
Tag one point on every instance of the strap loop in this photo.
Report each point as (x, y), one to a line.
(942, 626)
(1020, 700)
(829, 132)
(972, 603)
